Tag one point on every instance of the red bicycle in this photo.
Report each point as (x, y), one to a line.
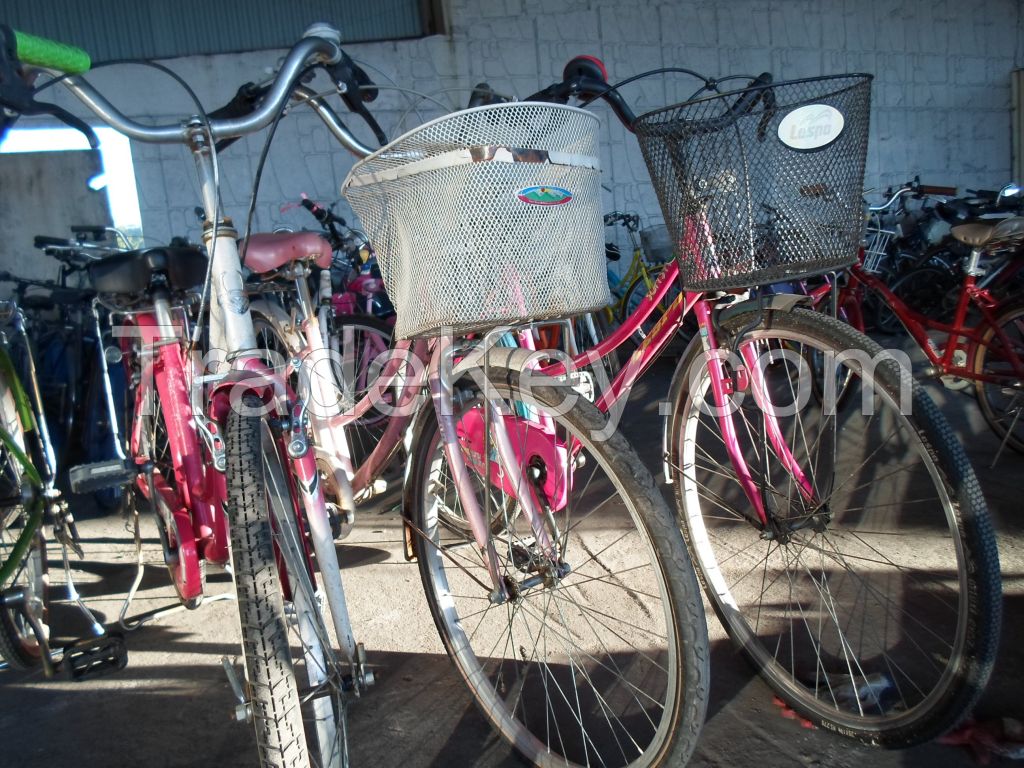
(983, 344)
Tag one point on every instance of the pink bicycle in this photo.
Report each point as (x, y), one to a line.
(557, 578)
(837, 526)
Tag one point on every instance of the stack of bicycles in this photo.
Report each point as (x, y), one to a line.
(834, 521)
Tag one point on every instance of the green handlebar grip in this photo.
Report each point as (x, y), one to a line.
(41, 52)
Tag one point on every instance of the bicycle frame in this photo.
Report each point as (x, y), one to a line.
(722, 384)
(413, 367)
(918, 325)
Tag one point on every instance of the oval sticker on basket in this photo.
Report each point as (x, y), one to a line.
(811, 127)
(544, 195)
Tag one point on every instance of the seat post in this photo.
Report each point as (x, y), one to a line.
(974, 268)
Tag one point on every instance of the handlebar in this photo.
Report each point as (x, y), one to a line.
(307, 51)
(928, 189)
(630, 221)
(584, 77)
(914, 187)
(319, 47)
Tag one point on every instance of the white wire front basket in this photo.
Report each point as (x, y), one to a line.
(485, 217)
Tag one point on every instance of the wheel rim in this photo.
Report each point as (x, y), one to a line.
(847, 621)
(31, 578)
(1002, 401)
(582, 671)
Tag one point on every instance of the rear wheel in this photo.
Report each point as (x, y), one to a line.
(871, 599)
(599, 657)
(1002, 400)
(359, 345)
(363, 343)
(283, 626)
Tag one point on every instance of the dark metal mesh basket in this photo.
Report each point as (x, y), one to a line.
(765, 194)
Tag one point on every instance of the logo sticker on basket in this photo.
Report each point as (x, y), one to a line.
(811, 127)
(544, 195)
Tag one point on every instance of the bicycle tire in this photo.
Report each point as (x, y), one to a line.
(679, 616)
(1001, 404)
(276, 708)
(815, 675)
(155, 447)
(18, 644)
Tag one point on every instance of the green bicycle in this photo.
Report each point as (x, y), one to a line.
(28, 499)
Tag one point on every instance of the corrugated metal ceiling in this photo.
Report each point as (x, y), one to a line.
(127, 29)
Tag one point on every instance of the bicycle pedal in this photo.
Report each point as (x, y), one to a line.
(101, 475)
(94, 657)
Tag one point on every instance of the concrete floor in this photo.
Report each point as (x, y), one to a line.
(172, 705)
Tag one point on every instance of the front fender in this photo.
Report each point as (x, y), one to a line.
(253, 377)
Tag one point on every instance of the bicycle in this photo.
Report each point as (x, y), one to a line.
(784, 497)
(57, 315)
(642, 708)
(472, 552)
(29, 499)
(644, 267)
(986, 353)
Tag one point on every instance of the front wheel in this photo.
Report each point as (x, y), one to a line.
(22, 547)
(284, 629)
(870, 600)
(599, 656)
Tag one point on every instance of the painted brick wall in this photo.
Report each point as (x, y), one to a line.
(941, 94)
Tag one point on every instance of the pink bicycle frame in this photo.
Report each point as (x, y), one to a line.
(722, 386)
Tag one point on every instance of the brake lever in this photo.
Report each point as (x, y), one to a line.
(770, 108)
(349, 78)
(17, 96)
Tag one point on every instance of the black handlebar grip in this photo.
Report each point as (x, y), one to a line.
(754, 93)
(44, 241)
(482, 95)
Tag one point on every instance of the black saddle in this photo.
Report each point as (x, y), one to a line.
(132, 272)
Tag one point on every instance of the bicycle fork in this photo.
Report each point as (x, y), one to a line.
(723, 386)
(511, 479)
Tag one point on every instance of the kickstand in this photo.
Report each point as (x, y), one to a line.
(74, 597)
(132, 623)
(140, 568)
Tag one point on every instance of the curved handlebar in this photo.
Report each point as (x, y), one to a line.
(630, 221)
(309, 50)
(914, 187)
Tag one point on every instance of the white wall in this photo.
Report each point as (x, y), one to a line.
(941, 94)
